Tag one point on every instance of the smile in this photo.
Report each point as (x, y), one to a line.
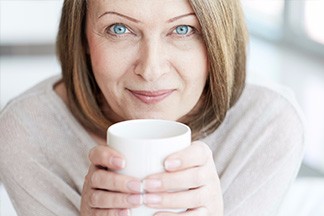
(151, 97)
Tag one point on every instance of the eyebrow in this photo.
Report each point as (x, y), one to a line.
(181, 16)
(137, 21)
(119, 14)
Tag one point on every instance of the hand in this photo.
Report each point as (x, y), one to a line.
(192, 173)
(105, 192)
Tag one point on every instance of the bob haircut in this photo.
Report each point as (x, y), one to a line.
(225, 37)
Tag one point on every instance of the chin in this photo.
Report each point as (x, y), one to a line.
(149, 115)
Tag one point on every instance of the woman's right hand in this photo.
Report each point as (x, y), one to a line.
(106, 192)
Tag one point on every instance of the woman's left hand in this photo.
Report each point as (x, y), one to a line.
(192, 176)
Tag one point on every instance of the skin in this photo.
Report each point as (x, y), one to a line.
(149, 59)
(150, 70)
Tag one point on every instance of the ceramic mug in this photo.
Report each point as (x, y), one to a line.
(145, 144)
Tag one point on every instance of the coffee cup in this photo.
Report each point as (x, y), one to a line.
(145, 144)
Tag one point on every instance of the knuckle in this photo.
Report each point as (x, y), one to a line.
(200, 201)
(99, 156)
(202, 211)
(114, 181)
(101, 212)
(93, 199)
(199, 198)
(103, 157)
(97, 212)
(111, 212)
(94, 179)
(91, 153)
(118, 201)
(199, 178)
(87, 178)
(118, 182)
(205, 150)
(124, 200)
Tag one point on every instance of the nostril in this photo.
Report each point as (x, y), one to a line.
(150, 72)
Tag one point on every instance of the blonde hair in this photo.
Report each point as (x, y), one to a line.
(225, 36)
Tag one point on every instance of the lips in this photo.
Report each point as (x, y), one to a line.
(151, 97)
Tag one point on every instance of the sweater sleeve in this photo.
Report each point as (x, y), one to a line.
(257, 171)
(33, 187)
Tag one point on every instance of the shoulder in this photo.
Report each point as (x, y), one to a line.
(274, 112)
(38, 134)
(271, 96)
(24, 122)
(41, 90)
(265, 121)
(27, 107)
(264, 106)
(258, 148)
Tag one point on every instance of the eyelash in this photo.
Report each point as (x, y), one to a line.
(111, 32)
(190, 32)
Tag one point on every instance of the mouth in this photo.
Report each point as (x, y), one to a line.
(151, 97)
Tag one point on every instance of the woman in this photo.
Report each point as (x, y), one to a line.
(176, 60)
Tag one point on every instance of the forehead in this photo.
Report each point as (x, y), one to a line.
(141, 9)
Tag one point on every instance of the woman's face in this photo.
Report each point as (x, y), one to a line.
(148, 57)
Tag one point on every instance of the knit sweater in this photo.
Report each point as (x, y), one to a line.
(44, 150)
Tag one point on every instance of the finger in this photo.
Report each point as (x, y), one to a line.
(107, 180)
(177, 181)
(196, 154)
(106, 199)
(190, 199)
(191, 212)
(87, 179)
(106, 157)
(111, 212)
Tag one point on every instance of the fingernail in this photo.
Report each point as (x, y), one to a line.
(135, 186)
(172, 164)
(135, 199)
(124, 212)
(117, 161)
(152, 184)
(151, 199)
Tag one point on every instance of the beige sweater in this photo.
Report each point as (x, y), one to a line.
(43, 152)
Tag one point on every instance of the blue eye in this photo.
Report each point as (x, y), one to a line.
(183, 29)
(119, 29)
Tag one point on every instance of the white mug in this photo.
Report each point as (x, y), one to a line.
(145, 144)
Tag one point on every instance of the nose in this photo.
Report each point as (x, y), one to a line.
(152, 61)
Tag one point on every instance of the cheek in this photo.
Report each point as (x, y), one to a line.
(196, 76)
(108, 64)
(103, 62)
(105, 56)
(195, 68)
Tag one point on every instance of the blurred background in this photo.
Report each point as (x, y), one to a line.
(286, 48)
